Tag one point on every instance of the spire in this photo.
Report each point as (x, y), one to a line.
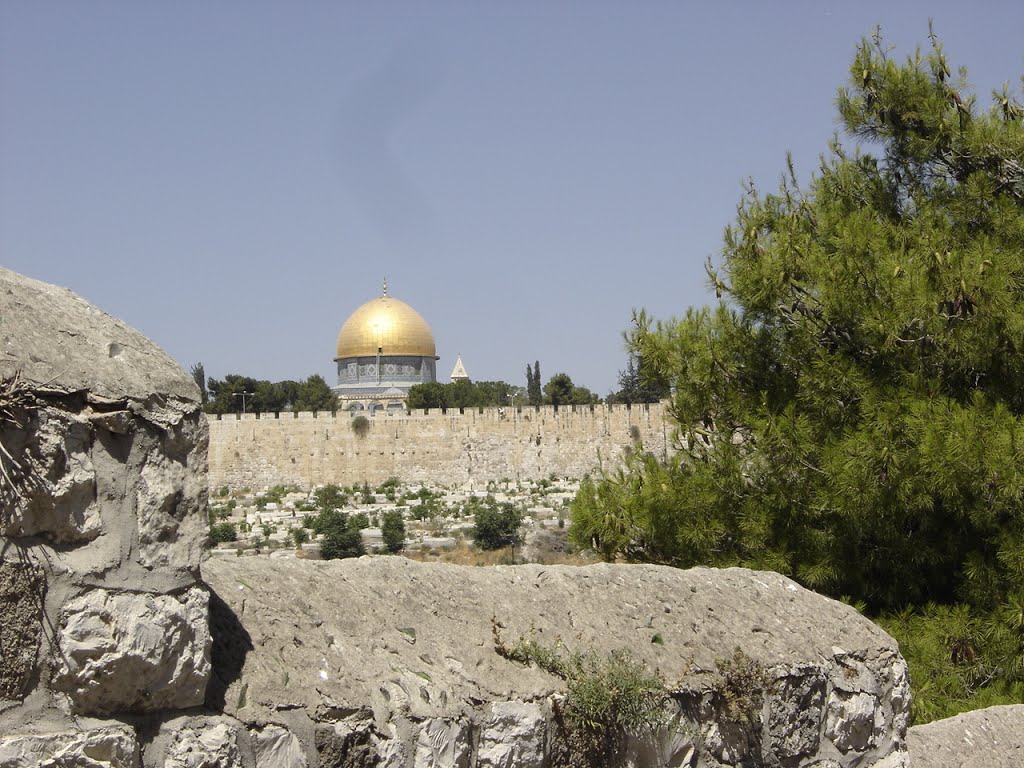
(385, 287)
(459, 371)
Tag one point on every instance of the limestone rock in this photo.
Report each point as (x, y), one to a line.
(415, 643)
(276, 747)
(123, 651)
(62, 342)
(108, 747)
(993, 738)
(203, 743)
(513, 735)
(443, 744)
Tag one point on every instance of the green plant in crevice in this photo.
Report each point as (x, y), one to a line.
(607, 696)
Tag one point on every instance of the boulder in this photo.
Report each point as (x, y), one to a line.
(103, 526)
(993, 738)
(402, 658)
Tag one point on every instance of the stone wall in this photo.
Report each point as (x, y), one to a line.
(453, 447)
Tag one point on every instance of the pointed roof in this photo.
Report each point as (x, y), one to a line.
(459, 371)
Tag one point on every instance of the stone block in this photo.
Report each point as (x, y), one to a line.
(277, 747)
(134, 652)
(107, 747)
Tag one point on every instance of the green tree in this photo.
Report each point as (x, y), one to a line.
(431, 394)
(638, 384)
(330, 497)
(533, 390)
(341, 539)
(392, 530)
(850, 411)
(496, 525)
(315, 395)
(223, 532)
(199, 377)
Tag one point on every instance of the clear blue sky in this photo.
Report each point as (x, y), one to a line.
(233, 178)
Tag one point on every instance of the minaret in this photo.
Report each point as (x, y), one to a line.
(459, 371)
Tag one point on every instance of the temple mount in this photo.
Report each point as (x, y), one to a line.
(384, 348)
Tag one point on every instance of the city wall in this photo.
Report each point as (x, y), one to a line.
(470, 446)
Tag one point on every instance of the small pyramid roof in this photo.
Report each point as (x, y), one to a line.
(459, 371)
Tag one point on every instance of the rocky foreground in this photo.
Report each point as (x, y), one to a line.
(398, 659)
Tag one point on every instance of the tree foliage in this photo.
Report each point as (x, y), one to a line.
(392, 531)
(461, 394)
(311, 394)
(199, 377)
(561, 391)
(534, 395)
(850, 412)
(341, 536)
(495, 525)
(639, 384)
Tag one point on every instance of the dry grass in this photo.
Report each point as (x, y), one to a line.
(466, 554)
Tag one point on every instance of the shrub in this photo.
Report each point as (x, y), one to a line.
(496, 526)
(607, 697)
(223, 532)
(392, 529)
(341, 542)
(330, 497)
(360, 425)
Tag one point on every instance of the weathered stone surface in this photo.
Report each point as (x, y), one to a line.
(62, 342)
(444, 744)
(276, 747)
(202, 742)
(103, 436)
(22, 592)
(985, 738)
(109, 747)
(415, 642)
(124, 651)
(512, 735)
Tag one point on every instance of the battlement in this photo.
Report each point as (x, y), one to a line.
(492, 413)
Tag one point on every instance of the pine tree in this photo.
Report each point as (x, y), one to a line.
(851, 410)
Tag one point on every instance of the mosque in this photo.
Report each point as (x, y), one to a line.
(385, 348)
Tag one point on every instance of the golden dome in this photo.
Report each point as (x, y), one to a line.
(387, 324)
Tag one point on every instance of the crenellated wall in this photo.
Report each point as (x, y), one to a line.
(445, 447)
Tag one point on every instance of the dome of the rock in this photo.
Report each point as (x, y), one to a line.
(384, 348)
(387, 326)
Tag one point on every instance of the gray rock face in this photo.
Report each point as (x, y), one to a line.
(986, 738)
(102, 526)
(414, 643)
(108, 747)
(63, 343)
(131, 652)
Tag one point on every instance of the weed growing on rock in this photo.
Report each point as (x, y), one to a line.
(360, 425)
(740, 686)
(607, 697)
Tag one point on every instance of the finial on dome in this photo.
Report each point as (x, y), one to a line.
(385, 286)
